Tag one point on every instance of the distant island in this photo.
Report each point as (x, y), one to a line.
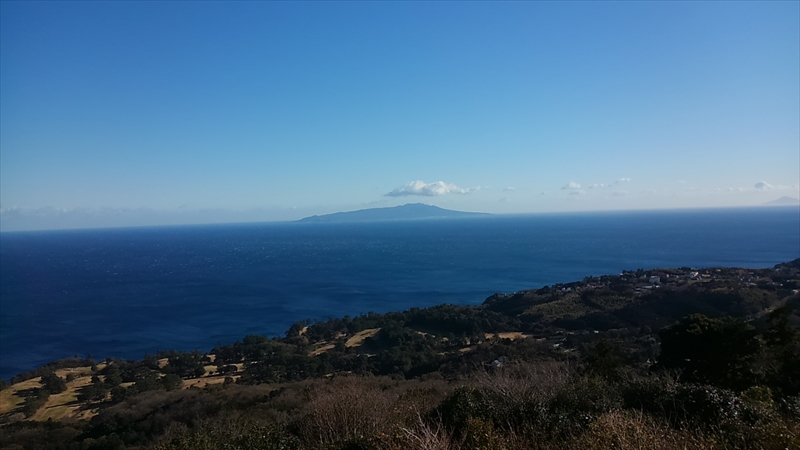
(410, 211)
(784, 201)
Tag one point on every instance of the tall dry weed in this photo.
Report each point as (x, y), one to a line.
(632, 430)
(351, 410)
(428, 435)
(524, 382)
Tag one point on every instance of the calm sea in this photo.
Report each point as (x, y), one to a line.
(128, 292)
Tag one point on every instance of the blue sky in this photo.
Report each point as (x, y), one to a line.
(136, 113)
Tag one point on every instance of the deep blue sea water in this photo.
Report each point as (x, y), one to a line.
(127, 292)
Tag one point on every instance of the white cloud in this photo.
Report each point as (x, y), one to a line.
(574, 185)
(509, 189)
(428, 189)
(764, 186)
(577, 192)
(619, 193)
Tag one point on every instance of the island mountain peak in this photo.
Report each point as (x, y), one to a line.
(409, 211)
(784, 201)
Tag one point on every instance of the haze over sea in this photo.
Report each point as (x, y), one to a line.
(128, 292)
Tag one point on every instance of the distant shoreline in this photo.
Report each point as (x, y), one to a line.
(14, 228)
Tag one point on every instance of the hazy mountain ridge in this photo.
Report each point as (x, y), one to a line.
(410, 211)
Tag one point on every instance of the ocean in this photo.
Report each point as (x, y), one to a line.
(132, 291)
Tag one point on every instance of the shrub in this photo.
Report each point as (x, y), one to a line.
(34, 401)
(580, 402)
(465, 404)
(721, 352)
(428, 435)
(634, 431)
(351, 413)
(479, 434)
(228, 434)
(52, 383)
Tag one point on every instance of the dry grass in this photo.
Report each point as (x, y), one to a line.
(626, 430)
(426, 436)
(513, 335)
(9, 400)
(367, 410)
(321, 350)
(65, 404)
(524, 381)
(61, 406)
(207, 381)
(361, 336)
(354, 341)
(348, 410)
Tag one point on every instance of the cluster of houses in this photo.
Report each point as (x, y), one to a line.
(653, 279)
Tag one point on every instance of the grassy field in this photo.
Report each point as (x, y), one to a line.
(361, 336)
(322, 349)
(64, 406)
(353, 341)
(61, 406)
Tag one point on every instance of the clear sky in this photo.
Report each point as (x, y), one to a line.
(135, 113)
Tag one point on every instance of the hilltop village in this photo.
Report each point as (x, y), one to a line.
(697, 336)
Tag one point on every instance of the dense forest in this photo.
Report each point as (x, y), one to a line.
(668, 358)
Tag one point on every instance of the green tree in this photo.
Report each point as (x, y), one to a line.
(171, 382)
(783, 359)
(52, 383)
(34, 402)
(605, 360)
(113, 376)
(721, 352)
